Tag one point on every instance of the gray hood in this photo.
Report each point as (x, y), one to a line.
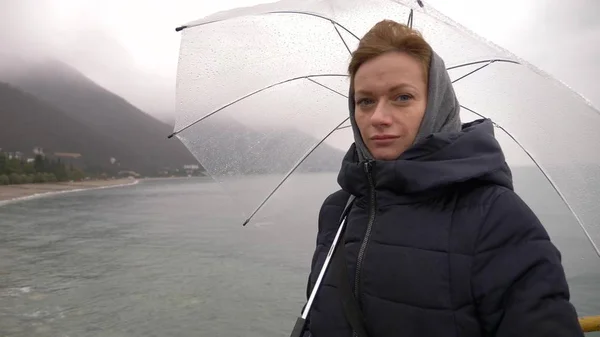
(441, 115)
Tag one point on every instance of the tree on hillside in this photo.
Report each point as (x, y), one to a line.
(41, 170)
(28, 168)
(59, 170)
(39, 163)
(13, 165)
(76, 174)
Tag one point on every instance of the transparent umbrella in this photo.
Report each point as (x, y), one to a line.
(261, 96)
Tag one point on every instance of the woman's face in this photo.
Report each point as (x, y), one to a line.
(390, 97)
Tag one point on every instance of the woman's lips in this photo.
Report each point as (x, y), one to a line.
(383, 140)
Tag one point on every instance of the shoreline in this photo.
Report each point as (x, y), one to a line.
(14, 193)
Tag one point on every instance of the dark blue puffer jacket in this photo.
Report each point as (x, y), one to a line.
(438, 244)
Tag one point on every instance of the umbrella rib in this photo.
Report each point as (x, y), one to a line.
(252, 94)
(326, 87)
(481, 67)
(410, 19)
(307, 77)
(472, 72)
(335, 91)
(341, 38)
(322, 85)
(481, 61)
(316, 16)
(274, 12)
(560, 194)
(313, 148)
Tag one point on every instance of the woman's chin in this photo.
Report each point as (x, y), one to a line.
(386, 153)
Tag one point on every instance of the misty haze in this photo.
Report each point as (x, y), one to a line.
(109, 227)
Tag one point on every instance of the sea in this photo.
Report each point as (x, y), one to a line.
(171, 258)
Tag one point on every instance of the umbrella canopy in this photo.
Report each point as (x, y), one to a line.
(262, 94)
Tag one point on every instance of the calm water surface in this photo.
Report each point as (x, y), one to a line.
(170, 258)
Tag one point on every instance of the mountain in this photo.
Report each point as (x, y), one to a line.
(27, 122)
(103, 123)
(52, 105)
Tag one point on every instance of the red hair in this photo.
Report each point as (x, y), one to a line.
(387, 36)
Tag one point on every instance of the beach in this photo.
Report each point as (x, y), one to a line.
(10, 193)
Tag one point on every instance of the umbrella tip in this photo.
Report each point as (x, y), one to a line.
(180, 28)
(246, 222)
(171, 135)
(420, 3)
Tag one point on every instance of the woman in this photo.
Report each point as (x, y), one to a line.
(437, 243)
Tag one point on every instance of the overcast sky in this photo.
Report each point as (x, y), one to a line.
(130, 47)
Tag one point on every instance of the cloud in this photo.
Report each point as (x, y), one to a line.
(129, 53)
(560, 37)
(130, 47)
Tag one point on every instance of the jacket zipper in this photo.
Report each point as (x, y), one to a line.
(361, 253)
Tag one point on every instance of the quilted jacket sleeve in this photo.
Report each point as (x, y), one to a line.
(518, 280)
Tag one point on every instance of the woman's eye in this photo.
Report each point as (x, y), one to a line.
(364, 101)
(403, 98)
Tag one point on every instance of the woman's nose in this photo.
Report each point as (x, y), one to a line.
(382, 114)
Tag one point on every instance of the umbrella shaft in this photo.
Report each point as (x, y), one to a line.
(313, 293)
